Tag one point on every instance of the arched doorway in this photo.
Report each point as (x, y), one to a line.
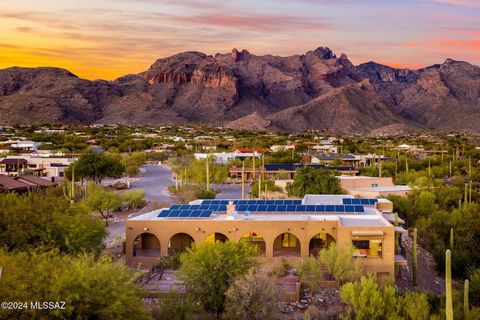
(319, 242)
(216, 237)
(179, 243)
(256, 240)
(286, 245)
(146, 245)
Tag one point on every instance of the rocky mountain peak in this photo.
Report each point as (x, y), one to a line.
(315, 90)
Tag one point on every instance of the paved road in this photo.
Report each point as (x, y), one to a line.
(155, 182)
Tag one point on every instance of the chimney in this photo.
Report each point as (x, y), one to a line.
(230, 209)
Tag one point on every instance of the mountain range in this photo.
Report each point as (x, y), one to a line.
(312, 91)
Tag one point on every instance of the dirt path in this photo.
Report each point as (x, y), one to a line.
(428, 278)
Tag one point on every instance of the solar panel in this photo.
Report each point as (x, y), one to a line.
(364, 201)
(252, 207)
(356, 201)
(329, 208)
(205, 214)
(358, 209)
(349, 209)
(164, 214)
(262, 207)
(291, 208)
(281, 208)
(195, 213)
(347, 201)
(242, 207)
(184, 214)
(339, 208)
(300, 208)
(272, 207)
(174, 213)
(373, 201)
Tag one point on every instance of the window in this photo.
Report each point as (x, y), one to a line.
(367, 248)
(289, 240)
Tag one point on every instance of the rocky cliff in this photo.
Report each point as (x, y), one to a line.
(311, 91)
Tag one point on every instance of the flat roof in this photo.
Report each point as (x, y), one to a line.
(383, 189)
(310, 208)
(349, 220)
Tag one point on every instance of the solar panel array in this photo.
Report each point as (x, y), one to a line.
(174, 213)
(205, 210)
(225, 202)
(301, 208)
(359, 201)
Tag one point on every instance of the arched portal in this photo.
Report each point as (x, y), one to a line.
(146, 245)
(179, 243)
(319, 242)
(256, 240)
(286, 245)
(216, 237)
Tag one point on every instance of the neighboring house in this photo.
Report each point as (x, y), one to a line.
(276, 148)
(282, 171)
(348, 159)
(372, 187)
(23, 184)
(26, 145)
(281, 229)
(39, 165)
(226, 157)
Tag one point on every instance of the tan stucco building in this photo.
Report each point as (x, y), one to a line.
(371, 187)
(291, 231)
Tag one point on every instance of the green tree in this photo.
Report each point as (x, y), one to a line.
(135, 198)
(90, 288)
(310, 271)
(252, 297)
(367, 300)
(48, 220)
(340, 263)
(210, 268)
(101, 200)
(474, 276)
(96, 166)
(309, 180)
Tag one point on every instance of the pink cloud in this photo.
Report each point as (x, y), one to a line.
(254, 22)
(462, 3)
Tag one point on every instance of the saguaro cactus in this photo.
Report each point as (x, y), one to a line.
(451, 239)
(448, 286)
(414, 258)
(69, 191)
(208, 174)
(466, 306)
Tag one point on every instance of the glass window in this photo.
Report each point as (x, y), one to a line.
(367, 248)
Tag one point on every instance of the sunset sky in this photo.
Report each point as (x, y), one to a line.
(109, 38)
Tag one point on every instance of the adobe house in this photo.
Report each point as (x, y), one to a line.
(290, 229)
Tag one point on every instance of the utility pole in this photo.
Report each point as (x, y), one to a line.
(243, 180)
